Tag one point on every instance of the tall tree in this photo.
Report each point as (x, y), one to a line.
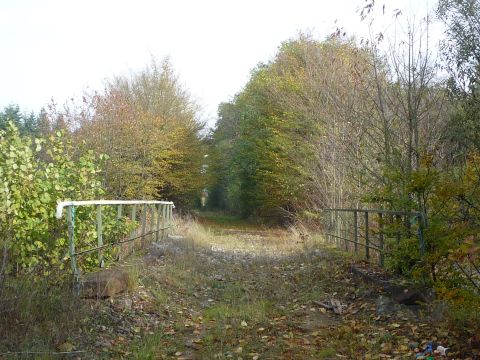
(461, 51)
(147, 125)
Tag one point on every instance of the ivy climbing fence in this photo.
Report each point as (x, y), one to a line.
(373, 234)
(155, 220)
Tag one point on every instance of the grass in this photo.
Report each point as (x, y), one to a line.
(326, 353)
(253, 240)
(250, 312)
(222, 220)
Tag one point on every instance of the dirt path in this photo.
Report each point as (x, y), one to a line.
(215, 293)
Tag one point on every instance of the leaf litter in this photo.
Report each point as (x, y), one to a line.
(204, 301)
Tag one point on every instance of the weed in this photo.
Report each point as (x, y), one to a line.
(133, 276)
(254, 312)
(326, 353)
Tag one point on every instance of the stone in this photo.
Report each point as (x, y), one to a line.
(105, 283)
(410, 297)
(164, 249)
(124, 304)
(413, 345)
(158, 250)
(386, 306)
(438, 311)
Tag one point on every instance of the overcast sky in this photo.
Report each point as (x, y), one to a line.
(60, 48)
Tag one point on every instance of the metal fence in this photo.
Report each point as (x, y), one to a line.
(157, 215)
(371, 232)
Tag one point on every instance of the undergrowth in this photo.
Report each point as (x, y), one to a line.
(38, 316)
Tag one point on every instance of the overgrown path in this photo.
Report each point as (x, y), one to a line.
(243, 293)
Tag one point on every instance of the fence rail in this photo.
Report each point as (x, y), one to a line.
(161, 211)
(376, 226)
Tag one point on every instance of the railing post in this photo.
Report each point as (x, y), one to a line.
(408, 225)
(119, 218)
(131, 246)
(144, 223)
(329, 227)
(100, 235)
(134, 213)
(163, 220)
(333, 229)
(345, 231)
(158, 222)
(119, 211)
(381, 239)
(355, 230)
(152, 221)
(170, 217)
(337, 230)
(71, 242)
(398, 222)
(367, 240)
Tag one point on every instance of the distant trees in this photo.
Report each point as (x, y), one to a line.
(260, 142)
(25, 123)
(145, 124)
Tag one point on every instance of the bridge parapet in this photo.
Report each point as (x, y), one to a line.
(156, 215)
(373, 230)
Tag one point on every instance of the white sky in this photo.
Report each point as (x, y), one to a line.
(58, 48)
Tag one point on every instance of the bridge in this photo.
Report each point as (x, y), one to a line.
(368, 233)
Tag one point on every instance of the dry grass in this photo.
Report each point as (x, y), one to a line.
(276, 242)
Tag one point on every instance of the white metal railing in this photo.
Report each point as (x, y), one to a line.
(163, 210)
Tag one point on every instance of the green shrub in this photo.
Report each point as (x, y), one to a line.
(34, 176)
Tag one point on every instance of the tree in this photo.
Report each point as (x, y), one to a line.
(461, 47)
(147, 125)
(461, 51)
(272, 147)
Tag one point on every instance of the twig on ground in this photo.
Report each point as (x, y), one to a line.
(16, 353)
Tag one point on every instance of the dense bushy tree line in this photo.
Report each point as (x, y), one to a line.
(256, 165)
